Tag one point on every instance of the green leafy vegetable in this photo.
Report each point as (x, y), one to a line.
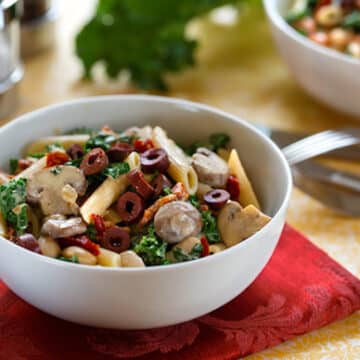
(91, 232)
(352, 20)
(210, 229)
(218, 141)
(37, 155)
(194, 254)
(151, 248)
(13, 165)
(73, 259)
(75, 162)
(167, 191)
(145, 38)
(81, 131)
(56, 170)
(12, 204)
(101, 140)
(194, 201)
(117, 169)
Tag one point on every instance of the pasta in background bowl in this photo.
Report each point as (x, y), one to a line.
(96, 199)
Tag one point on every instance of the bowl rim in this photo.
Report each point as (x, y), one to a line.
(278, 20)
(185, 104)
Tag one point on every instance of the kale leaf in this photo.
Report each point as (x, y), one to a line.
(180, 255)
(145, 38)
(116, 169)
(210, 229)
(352, 20)
(151, 248)
(12, 204)
(218, 141)
(13, 165)
(102, 140)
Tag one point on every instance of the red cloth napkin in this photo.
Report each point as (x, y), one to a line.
(301, 289)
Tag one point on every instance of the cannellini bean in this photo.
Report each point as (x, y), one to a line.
(130, 259)
(329, 15)
(215, 248)
(354, 49)
(320, 38)
(339, 38)
(108, 258)
(203, 189)
(49, 246)
(84, 257)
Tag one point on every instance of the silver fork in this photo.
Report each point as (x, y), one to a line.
(321, 143)
(336, 189)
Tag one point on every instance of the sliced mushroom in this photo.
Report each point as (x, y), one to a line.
(177, 221)
(210, 168)
(236, 223)
(59, 228)
(50, 186)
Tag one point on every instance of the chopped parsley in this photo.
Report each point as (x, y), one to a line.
(91, 232)
(151, 248)
(102, 140)
(56, 170)
(13, 165)
(180, 255)
(12, 204)
(218, 141)
(210, 229)
(194, 201)
(117, 169)
(73, 259)
(166, 190)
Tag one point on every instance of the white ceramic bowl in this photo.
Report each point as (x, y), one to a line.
(328, 75)
(156, 296)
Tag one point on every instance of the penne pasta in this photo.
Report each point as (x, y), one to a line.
(108, 192)
(247, 195)
(3, 225)
(32, 169)
(180, 168)
(64, 140)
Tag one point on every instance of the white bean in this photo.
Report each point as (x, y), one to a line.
(49, 247)
(83, 256)
(215, 248)
(108, 258)
(131, 259)
(329, 15)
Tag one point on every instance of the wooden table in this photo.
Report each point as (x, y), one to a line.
(242, 74)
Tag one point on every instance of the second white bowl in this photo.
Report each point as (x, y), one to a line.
(328, 75)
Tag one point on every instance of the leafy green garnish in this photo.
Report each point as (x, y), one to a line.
(116, 169)
(12, 204)
(210, 229)
(219, 140)
(215, 142)
(75, 162)
(13, 165)
(101, 140)
(37, 155)
(83, 130)
(54, 147)
(73, 259)
(180, 255)
(151, 248)
(91, 232)
(146, 38)
(166, 190)
(194, 201)
(56, 170)
(352, 20)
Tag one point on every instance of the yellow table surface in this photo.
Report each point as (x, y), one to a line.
(243, 75)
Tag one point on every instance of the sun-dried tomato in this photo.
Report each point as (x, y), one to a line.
(205, 245)
(98, 223)
(81, 241)
(56, 158)
(233, 187)
(141, 146)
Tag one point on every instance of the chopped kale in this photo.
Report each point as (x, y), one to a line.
(91, 232)
(151, 248)
(13, 165)
(116, 169)
(75, 162)
(352, 20)
(219, 140)
(37, 155)
(194, 201)
(74, 259)
(12, 204)
(194, 254)
(210, 229)
(166, 191)
(102, 140)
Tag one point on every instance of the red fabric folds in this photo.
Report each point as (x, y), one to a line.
(301, 289)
